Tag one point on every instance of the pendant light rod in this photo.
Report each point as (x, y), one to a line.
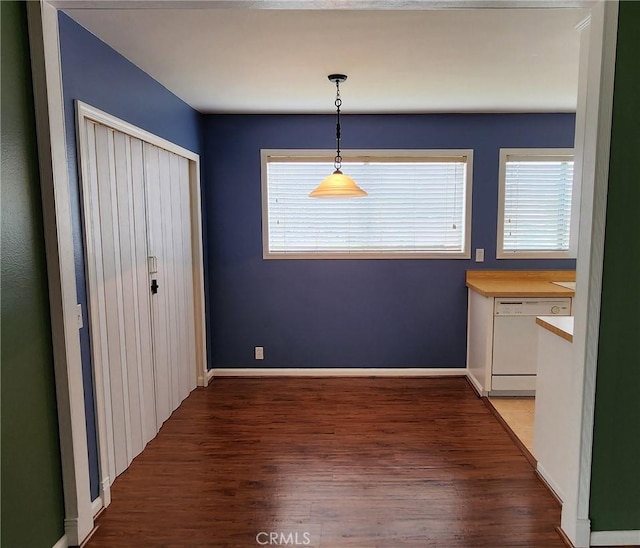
(337, 185)
(337, 79)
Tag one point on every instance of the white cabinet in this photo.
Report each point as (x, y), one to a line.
(480, 341)
(551, 427)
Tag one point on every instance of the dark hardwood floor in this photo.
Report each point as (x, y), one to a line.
(351, 462)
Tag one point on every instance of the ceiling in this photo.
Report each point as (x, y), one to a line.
(277, 61)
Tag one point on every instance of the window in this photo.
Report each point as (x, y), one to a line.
(419, 205)
(535, 204)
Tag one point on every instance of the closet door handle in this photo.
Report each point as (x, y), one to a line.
(154, 286)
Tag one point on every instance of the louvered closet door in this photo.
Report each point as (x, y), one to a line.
(115, 209)
(169, 237)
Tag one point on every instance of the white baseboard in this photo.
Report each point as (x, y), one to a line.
(210, 375)
(62, 543)
(340, 372)
(615, 538)
(475, 384)
(550, 482)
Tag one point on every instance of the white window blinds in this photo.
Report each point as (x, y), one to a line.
(414, 206)
(537, 199)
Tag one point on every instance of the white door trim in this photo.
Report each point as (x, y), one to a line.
(88, 112)
(592, 148)
(54, 181)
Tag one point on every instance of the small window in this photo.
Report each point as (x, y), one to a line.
(535, 204)
(418, 205)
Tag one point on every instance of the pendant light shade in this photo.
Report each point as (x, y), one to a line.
(337, 185)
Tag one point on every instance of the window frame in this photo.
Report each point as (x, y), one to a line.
(536, 154)
(373, 154)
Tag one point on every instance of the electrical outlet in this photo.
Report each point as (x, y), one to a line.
(79, 309)
(479, 255)
(259, 352)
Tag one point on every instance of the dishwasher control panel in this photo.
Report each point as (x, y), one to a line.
(533, 307)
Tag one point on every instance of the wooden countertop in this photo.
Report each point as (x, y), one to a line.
(560, 325)
(520, 283)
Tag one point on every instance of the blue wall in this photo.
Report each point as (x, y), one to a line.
(349, 313)
(96, 74)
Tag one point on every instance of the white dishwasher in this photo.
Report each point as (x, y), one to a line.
(515, 342)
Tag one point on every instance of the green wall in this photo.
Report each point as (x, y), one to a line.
(615, 474)
(32, 503)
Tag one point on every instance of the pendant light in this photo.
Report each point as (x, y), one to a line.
(337, 185)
